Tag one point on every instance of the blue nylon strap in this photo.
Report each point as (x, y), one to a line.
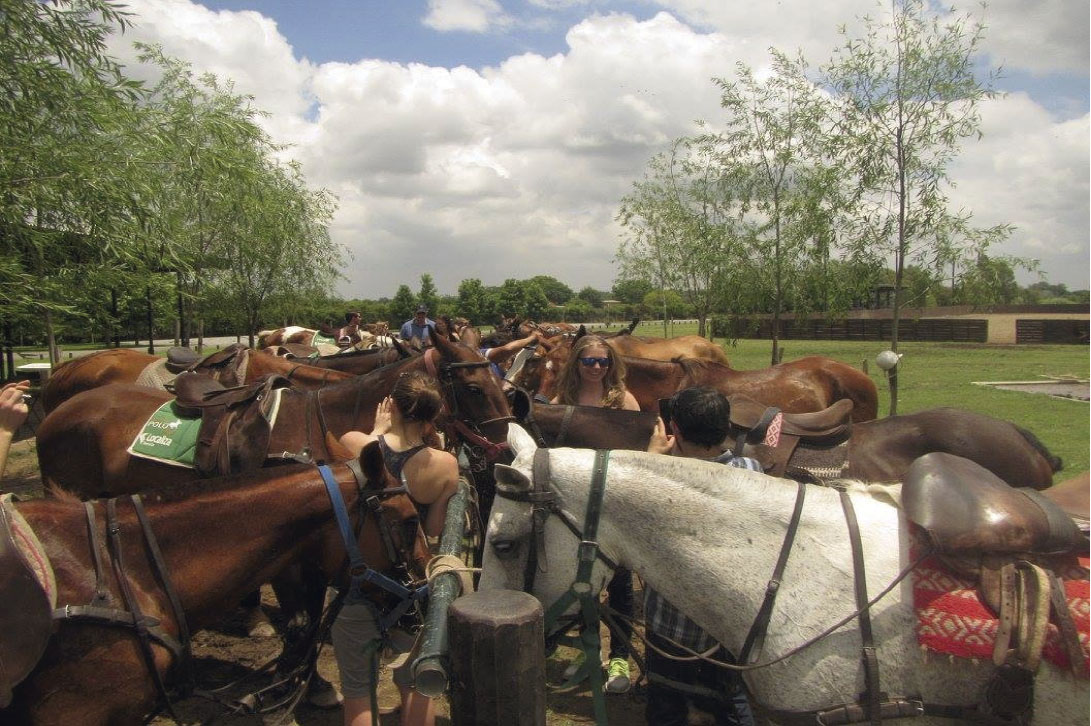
(359, 571)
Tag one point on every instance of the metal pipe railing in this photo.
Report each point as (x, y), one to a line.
(430, 667)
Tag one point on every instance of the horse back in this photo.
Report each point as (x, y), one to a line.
(118, 365)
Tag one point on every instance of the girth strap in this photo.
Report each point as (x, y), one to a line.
(872, 696)
(102, 593)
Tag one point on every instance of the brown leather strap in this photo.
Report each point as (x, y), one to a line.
(113, 528)
(102, 593)
(755, 639)
(871, 696)
(185, 661)
(1070, 639)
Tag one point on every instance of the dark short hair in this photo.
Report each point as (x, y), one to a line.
(702, 414)
(350, 315)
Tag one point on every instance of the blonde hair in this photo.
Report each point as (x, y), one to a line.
(417, 396)
(613, 383)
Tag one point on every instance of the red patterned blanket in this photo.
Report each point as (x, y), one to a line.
(952, 619)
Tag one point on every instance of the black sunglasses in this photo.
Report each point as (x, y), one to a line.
(590, 362)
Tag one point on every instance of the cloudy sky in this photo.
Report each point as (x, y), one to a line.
(494, 138)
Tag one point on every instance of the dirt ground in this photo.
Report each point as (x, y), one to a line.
(224, 654)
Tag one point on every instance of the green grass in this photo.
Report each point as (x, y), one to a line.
(943, 374)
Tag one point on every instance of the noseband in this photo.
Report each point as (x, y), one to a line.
(470, 431)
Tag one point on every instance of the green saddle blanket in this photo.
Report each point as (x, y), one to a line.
(320, 339)
(167, 437)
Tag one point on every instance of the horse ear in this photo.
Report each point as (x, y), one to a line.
(521, 403)
(372, 464)
(510, 478)
(519, 440)
(632, 325)
(580, 332)
(399, 346)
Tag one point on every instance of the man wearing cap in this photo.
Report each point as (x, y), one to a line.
(418, 326)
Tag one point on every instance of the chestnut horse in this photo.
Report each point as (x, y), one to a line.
(808, 384)
(217, 545)
(235, 365)
(878, 451)
(83, 443)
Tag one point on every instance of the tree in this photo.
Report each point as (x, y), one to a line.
(512, 298)
(537, 303)
(631, 291)
(770, 156)
(428, 295)
(682, 227)
(989, 281)
(402, 307)
(593, 297)
(471, 300)
(906, 95)
(556, 291)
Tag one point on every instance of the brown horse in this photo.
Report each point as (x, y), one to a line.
(235, 365)
(82, 444)
(289, 334)
(217, 545)
(808, 384)
(877, 451)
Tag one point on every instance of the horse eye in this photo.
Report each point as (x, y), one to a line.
(474, 389)
(505, 548)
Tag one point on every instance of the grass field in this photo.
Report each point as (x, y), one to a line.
(943, 374)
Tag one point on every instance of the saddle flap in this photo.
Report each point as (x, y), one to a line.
(966, 508)
(235, 426)
(25, 608)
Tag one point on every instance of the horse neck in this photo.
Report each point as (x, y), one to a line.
(350, 405)
(707, 536)
(222, 545)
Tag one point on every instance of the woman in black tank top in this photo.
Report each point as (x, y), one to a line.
(403, 423)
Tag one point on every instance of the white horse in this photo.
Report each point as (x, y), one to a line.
(707, 536)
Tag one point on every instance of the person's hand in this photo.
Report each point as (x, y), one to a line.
(382, 417)
(13, 409)
(661, 441)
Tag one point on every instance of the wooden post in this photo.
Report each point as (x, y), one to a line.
(497, 647)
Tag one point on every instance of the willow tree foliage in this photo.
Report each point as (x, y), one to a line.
(682, 231)
(907, 94)
(69, 191)
(770, 155)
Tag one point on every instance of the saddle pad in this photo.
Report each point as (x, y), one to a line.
(171, 439)
(155, 375)
(952, 619)
(31, 549)
(320, 339)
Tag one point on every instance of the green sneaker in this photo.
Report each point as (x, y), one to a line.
(617, 676)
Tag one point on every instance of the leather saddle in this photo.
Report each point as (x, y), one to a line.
(750, 427)
(26, 620)
(227, 366)
(180, 358)
(235, 422)
(1013, 541)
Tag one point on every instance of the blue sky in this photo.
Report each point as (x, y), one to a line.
(490, 139)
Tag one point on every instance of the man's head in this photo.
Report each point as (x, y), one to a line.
(702, 415)
(422, 313)
(352, 318)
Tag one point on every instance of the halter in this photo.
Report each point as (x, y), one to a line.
(470, 431)
(544, 503)
(359, 571)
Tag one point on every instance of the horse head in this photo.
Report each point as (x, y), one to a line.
(397, 514)
(525, 548)
(476, 405)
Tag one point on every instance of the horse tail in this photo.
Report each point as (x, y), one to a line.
(1055, 462)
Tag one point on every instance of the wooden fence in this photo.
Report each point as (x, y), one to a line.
(1052, 331)
(924, 329)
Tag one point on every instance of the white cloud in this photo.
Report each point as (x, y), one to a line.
(475, 16)
(1031, 171)
(517, 169)
(1040, 36)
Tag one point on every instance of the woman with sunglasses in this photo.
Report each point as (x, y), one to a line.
(594, 376)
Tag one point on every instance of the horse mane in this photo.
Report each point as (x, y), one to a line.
(1055, 462)
(692, 365)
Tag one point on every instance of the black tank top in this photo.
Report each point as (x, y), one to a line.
(395, 460)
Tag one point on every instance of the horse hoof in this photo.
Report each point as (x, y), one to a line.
(323, 694)
(258, 625)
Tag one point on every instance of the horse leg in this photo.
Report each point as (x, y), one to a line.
(257, 622)
(301, 593)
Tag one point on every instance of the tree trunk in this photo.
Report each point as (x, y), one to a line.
(151, 323)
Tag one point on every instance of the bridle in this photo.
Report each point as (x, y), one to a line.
(470, 431)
